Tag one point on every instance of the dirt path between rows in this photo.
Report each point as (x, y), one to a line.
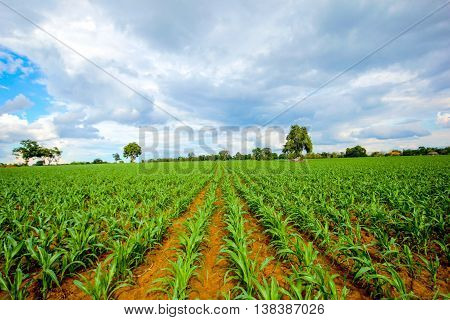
(159, 259)
(209, 283)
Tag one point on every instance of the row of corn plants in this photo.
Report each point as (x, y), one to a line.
(116, 271)
(244, 270)
(379, 262)
(308, 279)
(347, 247)
(72, 220)
(176, 283)
(337, 219)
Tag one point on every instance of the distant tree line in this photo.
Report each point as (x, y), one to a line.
(268, 154)
(298, 146)
(358, 151)
(257, 154)
(297, 142)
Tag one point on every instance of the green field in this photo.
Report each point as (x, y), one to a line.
(365, 228)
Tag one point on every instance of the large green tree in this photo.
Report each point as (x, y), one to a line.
(297, 141)
(239, 156)
(356, 151)
(257, 153)
(266, 153)
(132, 151)
(224, 155)
(30, 149)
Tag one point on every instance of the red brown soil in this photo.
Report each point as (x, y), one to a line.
(68, 290)
(209, 282)
(158, 260)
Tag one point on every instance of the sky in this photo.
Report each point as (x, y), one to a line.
(217, 64)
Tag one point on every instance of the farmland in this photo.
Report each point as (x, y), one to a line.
(365, 228)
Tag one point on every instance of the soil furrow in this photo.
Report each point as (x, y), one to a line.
(209, 282)
(158, 260)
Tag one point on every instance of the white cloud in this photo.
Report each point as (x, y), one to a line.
(10, 64)
(14, 128)
(443, 119)
(18, 103)
(11, 126)
(382, 77)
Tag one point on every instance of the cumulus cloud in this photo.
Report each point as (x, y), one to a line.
(14, 129)
(18, 103)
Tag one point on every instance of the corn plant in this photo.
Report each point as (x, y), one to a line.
(269, 290)
(397, 282)
(236, 249)
(432, 266)
(409, 261)
(14, 285)
(47, 264)
(103, 285)
(310, 272)
(175, 285)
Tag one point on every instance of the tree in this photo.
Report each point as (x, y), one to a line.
(132, 151)
(29, 150)
(191, 156)
(257, 153)
(98, 161)
(116, 157)
(422, 151)
(297, 141)
(51, 154)
(354, 152)
(224, 155)
(239, 156)
(266, 153)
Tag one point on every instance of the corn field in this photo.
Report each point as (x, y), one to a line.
(366, 228)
